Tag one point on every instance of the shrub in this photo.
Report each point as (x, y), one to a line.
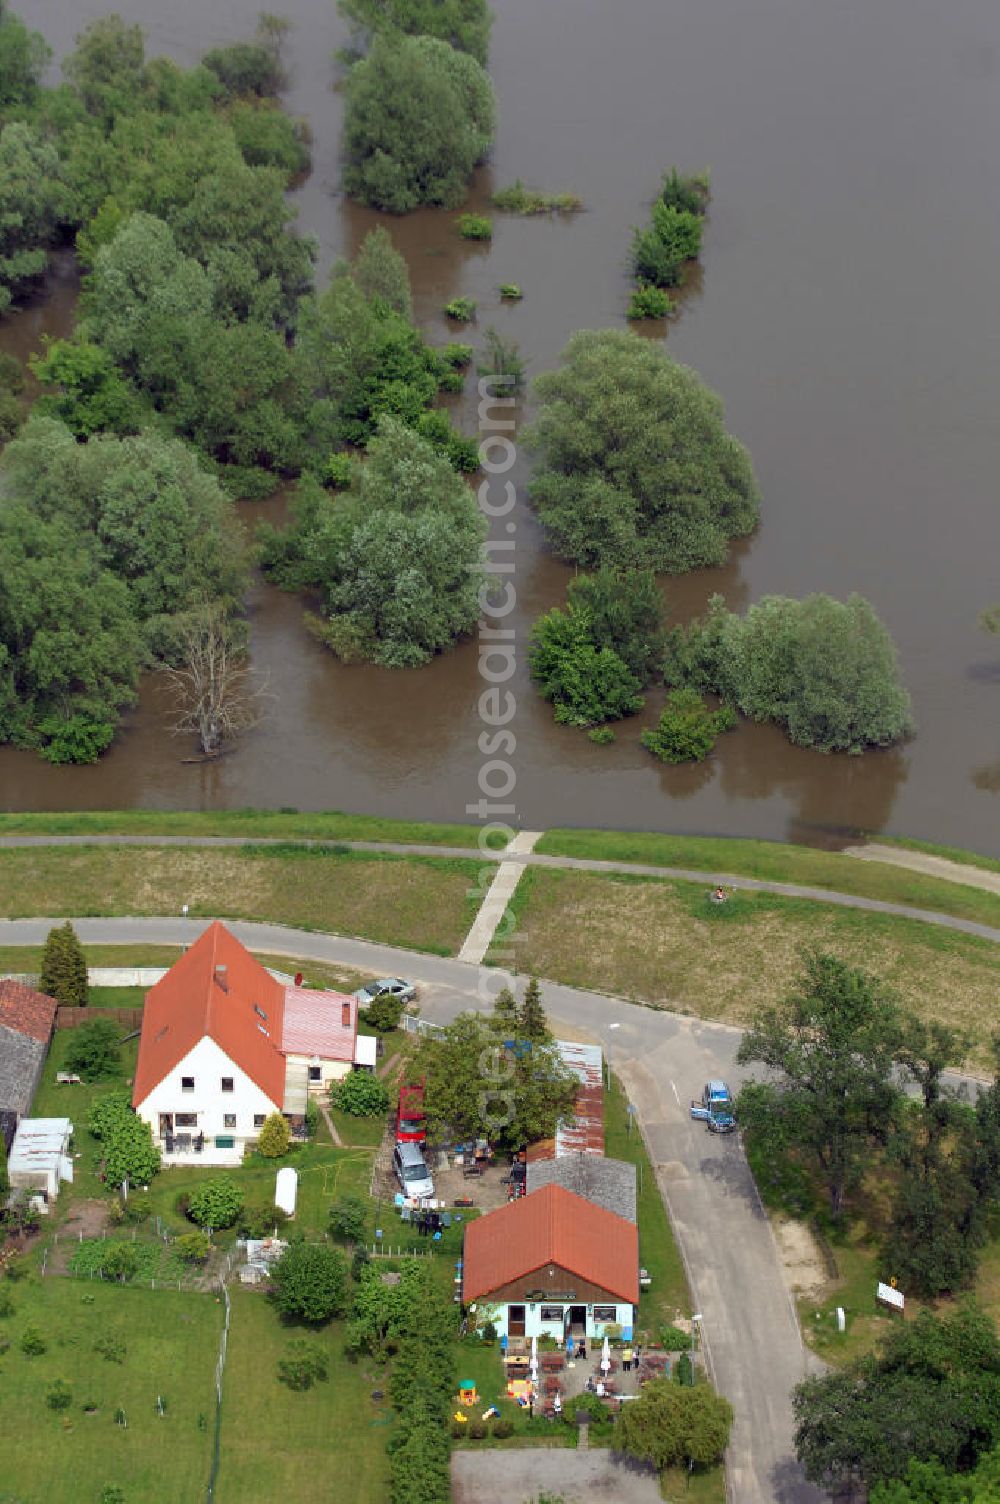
(384, 1012)
(111, 1347)
(33, 1344)
(337, 471)
(477, 1429)
(503, 360)
(129, 1151)
(649, 303)
(511, 291)
(348, 1219)
(261, 1221)
(303, 1364)
(687, 729)
(455, 355)
(93, 1051)
(309, 1283)
(488, 1333)
(502, 1429)
(275, 1137)
(59, 1396)
(193, 1247)
(120, 1261)
(475, 227)
(517, 199)
(361, 1094)
(602, 735)
(217, 1203)
(107, 1112)
(311, 1118)
(460, 309)
(587, 683)
(673, 1339)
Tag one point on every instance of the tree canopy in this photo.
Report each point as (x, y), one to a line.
(634, 467)
(64, 968)
(464, 24)
(674, 1423)
(309, 1283)
(33, 199)
(419, 117)
(23, 58)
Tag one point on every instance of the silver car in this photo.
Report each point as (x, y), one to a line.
(411, 1171)
(393, 986)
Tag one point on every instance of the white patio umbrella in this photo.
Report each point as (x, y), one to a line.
(606, 1356)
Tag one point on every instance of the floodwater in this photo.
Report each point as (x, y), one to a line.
(845, 309)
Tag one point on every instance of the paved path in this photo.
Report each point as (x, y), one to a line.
(535, 859)
(930, 865)
(750, 1331)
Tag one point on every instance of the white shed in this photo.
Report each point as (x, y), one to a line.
(39, 1156)
(286, 1189)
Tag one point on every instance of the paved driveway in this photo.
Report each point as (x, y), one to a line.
(750, 1331)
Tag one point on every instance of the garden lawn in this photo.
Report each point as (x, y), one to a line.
(418, 902)
(76, 1103)
(774, 861)
(328, 1442)
(662, 942)
(67, 1457)
(668, 1295)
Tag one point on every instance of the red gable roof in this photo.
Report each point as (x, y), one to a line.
(551, 1226)
(27, 1011)
(242, 1009)
(314, 1024)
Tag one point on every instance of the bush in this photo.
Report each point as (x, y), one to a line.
(510, 291)
(672, 1339)
(475, 227)
(476, 1429)
(649, 303)
(59, 1396)
(502, 1429)
(120, 1261)
(310, 1283)
(384, 1012)
(668, 1425)
(275, 1137)
(311, 1119)
(261, 1221)
(337, 471)
(111, 1347)
(193, 1247)
(348, 1219)
(129, 1151)
(460, 309)
(455, 355)
(303, 1364)
(687, 729)
(33, 1344)
(93, 1051)
(517, 199)
(603, 736)
(419, 116)
(587, 683)
(217, 1203)
(362, 1094)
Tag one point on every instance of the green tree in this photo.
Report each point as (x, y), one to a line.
(687, 729)
(419, 116)
(107, 1112)
(384, 1012)
(824, 669)
(586, 682)
(932, 1395)
(24, 56)
(635, 469)
(532, 1021)
(309, 1283)
(626, 614)
(129, 1152)
(381, 272)
(464, 24)
(120, 1261)
(503, 1020)
(216, 1203)
(108, 67)
(32, 195)
(93, 1051)
(193, 1247)
(349, 1219)
(403, 546)
(91, 396)
(670, 1424)
(64, 969)
(476, 1087)
(829, 1049)
(362, 1094)
(275, 1137)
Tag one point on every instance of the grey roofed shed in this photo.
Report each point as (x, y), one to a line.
(21, 1062)
(606, 1182)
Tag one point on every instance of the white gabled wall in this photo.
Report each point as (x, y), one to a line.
(330, 1071)
(207, 1063)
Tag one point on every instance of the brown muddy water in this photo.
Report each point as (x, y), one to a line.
(846, 310)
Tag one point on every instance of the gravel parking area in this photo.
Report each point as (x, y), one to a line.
(519, 1476)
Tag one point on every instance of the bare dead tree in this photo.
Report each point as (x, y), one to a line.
(216, 693)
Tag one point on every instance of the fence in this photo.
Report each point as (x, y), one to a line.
(72, 1018)
(412, 1025)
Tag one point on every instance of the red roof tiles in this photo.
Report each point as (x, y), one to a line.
(240, 1006)
(314, 1024)
(551, 1226)
(27, 1011)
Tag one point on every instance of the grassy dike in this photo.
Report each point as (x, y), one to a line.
(285, 824)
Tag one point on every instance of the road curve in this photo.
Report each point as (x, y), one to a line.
(751, 1334)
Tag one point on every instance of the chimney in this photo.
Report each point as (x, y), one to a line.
(345, 1015)
(221, 977)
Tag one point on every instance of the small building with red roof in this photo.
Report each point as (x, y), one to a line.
(225, 1044)
(552, 1264)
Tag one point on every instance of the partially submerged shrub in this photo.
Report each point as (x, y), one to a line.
(475, 227)
(460, 309)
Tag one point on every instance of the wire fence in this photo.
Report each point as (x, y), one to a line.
(220, 1369)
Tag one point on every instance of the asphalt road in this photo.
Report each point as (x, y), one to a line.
(750, 1332)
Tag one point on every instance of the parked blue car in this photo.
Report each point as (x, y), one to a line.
(715, 1108)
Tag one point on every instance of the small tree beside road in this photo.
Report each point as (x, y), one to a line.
(64, 968)
(671, 1424)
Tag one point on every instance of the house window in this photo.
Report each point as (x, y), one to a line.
(258, 1120)
(315, 1073)
(605, 1313)
(187, 1083)
(229, 1120)
(515, 1321)
(186, 1119)
(224, 1143)
(227, 1083)
(552, 1313)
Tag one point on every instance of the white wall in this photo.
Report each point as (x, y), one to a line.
(534, 1326)
(208, 1063)
(330, 1070)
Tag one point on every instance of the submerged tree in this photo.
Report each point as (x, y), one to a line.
(217, 694)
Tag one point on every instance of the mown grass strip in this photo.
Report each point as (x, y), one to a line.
(770, 861)
(328, 825)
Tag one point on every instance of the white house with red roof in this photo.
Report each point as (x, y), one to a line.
(224, 1044)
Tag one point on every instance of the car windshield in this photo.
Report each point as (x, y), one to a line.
(415, 1172)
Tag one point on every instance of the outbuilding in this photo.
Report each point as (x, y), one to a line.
(40, 1158)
